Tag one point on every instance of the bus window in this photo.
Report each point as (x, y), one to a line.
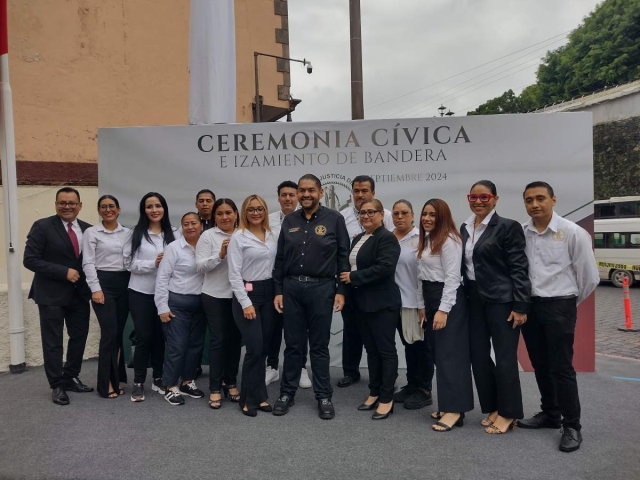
(605, 211)
(599, 240)
(634, 240)
(627, 210)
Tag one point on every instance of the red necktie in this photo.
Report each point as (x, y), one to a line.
(74, 239)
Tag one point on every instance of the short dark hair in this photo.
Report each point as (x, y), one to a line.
(187, 214)
(312, 177)
(287, 184)
(68, 190)
(407, 202)
(364, 178)
(486, 183)
(225, 201)
(205, 190)
(539, 184)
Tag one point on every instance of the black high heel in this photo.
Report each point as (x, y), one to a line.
(233, 398)
(447, 428)
(363, 407)
(249, 412)
(382, 416)
(265, 408)
(215, 404)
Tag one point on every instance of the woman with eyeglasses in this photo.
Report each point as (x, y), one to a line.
(498, 288)
(108, 279)
(177, 299)
(443, 308)
(377, 303)
(418, 347)
(251, 256)
(143, 253)
(225, 341)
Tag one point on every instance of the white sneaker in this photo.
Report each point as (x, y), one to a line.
(304, 379)
(271, 375)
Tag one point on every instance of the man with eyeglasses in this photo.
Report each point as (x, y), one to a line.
(313, 249)
(59, 288)
(363, 189)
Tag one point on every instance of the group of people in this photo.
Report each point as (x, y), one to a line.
(451, 294)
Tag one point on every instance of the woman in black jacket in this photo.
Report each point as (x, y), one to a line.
(496, 278)
(377, 302)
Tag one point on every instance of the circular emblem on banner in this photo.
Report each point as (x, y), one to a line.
(337, 191)
(321, 230)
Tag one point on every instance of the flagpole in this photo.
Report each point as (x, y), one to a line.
(10, 194)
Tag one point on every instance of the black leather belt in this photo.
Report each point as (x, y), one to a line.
(552, 299)
(305, 279)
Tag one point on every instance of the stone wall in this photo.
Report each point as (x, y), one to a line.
(616, 158)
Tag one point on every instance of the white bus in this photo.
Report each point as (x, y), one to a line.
(617, 249)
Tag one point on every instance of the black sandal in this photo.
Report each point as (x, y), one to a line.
(436, 415)
(447, 428)
(215, 404)
(234, 398)
(113, 394)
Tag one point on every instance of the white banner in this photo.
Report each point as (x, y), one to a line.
(415, 159)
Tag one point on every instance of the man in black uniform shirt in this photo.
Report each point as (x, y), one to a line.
(313, 248)
(204, 203)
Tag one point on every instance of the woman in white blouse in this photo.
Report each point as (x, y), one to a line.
(177, 298)
(251, 256)
(443, 306)
(103, 265)
(418, 343)
(225, 343)
(143, 252)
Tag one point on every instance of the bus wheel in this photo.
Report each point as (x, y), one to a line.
(617, 277)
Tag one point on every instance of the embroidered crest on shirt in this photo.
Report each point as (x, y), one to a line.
(321, 230)
(559, 236)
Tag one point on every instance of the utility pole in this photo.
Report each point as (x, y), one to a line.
(357, 96)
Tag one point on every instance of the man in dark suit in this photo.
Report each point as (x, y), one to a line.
(61, 292)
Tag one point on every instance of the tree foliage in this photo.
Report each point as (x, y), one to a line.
(602, 51)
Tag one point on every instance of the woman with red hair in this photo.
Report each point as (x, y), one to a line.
(443, 307)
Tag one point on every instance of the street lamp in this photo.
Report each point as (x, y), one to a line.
(449, 113)
(441, 109)
(305, 62)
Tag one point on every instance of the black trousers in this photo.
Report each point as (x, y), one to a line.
(225, 342)
(549, 334)
(352, 342)
(451, 345)
(273, 353)
(308, 309)
(52, 321)
(149, 334)
(419, 358)
(378, 332)
(112, 317)
(256, 334)
(498, 384)
(185, 337)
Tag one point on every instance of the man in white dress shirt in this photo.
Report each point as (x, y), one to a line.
(288, 200)
(363, 189)
(563, 272)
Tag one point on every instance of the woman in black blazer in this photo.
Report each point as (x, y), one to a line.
(496, 278)
(377, 303)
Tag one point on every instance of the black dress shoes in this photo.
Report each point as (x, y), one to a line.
(571, 440)
(539, 420)
(59, 396)
(404, 393)
(282, 405)
(347, 381)
(325, 409)
(418, 399)
(363, 407)
(75, 385)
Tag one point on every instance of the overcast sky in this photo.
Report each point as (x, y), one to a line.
(411, 44)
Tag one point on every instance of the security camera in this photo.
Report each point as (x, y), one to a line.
(309, 68)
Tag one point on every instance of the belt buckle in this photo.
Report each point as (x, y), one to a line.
(303, 278)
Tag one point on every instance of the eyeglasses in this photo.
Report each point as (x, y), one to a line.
(404, 213)
(255, 210)
(68, 204)
(368, 213)
(484, 198)
(104, 208)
